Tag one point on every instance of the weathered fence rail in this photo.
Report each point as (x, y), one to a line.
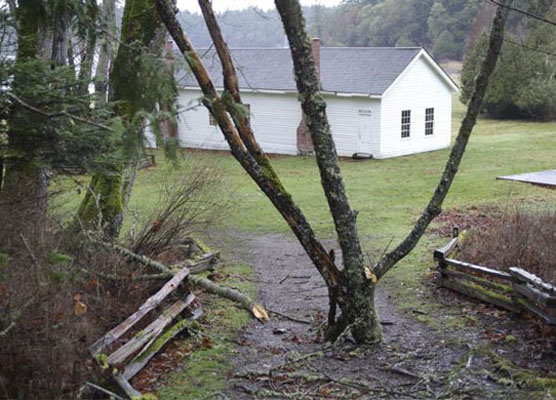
(145, 343)
(516, 291)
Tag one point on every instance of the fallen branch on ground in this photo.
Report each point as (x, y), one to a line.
(257, 310)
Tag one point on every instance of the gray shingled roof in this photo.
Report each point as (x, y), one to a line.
(365, 70)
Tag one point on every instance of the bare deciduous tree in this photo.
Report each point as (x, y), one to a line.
(351, 288)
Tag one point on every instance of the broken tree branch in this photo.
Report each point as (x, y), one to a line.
(433, 209)
(257, 310)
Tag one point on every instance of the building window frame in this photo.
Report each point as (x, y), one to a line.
(429, 121)
(406, 124)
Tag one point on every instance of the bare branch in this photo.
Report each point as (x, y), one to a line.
(57, 114)
(433, 209)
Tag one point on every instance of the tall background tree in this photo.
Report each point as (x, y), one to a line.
(139, 79)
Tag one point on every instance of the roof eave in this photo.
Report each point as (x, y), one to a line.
(274, 91)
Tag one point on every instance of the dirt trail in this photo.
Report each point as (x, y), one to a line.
(414, 362)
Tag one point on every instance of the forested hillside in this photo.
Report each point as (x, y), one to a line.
(442, 26)
(523, 84)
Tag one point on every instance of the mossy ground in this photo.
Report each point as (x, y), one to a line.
(206, 368)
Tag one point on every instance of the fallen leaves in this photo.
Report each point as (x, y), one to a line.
(79, 308)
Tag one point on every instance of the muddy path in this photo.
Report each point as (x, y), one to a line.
(286, 359)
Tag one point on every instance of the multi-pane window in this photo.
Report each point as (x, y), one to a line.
(406, 123)
(429, 121)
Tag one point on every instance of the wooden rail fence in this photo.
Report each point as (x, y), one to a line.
(516, 291)
(139, 348)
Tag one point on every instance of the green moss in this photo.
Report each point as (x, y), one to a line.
(102, 360)
(4, 260)
(158, 343)
(202, 245)
(505, 372)
(55, 257)
(57, 277)
(510, 339)
(109, 206)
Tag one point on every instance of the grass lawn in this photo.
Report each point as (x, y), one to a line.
(390, 195)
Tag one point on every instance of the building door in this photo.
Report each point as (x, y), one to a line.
(364, 132)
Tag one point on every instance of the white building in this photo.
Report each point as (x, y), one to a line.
(381, 102)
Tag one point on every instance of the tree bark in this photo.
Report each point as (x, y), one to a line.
(108, 24)
(355, 294)
(24, 189)
(60, 30)
(86, 66)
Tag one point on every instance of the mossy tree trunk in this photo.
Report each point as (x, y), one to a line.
(104, 204)
(24, 191)
(355, 293)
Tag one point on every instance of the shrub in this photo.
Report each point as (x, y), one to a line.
(185, 208)
(522, 239)
(51, 310)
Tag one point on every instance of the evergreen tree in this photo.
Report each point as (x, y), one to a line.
(523, 84)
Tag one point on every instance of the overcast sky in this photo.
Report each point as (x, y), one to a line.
(223, 5)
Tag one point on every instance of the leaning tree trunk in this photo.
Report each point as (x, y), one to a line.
(239, 135)
(24, 191)
(433, 209)
(104, 203)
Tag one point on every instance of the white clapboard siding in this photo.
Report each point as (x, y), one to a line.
(419, 87)
(274, 118)
(343, 114)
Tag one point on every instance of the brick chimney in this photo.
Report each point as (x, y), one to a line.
(304, 141)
